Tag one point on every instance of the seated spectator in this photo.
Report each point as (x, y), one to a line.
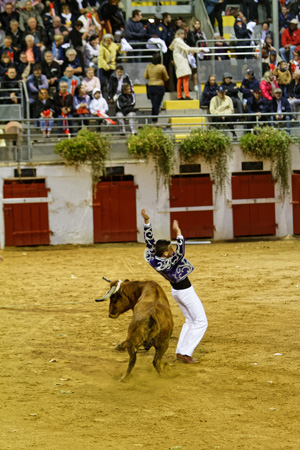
(289, 40)
(28, 12)
(59, 49)
(125, 108)
(10, 84)
(279, 106)
(209, 91)
(249, 85)
(63, 108)
(7, 16)
(81, 103)
(295, 62)
(260, 35)
(33, 52)
(232, 91)
(5, 62)
(91, 22)
(98, 105)
(35, 82)
(283, 77)
(91, 52)
(47, 18)
(107, 58)
(44, 111)
(255, 106)
(90, 81)
(73, 61)
(58, 28)
(67, 18)
(116, 81)
(76, 37)
(16, 35)
(267, 85)
(112, 16)
(221, 105)
(294, 92)
(72, 80)
(51, 69)
(221, 51)
(24, 68)
(39, 33)
(7, 48)
(271, 62)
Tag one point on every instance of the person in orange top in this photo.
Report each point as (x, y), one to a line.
(290, 38)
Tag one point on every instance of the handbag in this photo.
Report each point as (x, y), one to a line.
(82, 111)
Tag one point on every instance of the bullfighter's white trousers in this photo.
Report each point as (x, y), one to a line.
(195, 320)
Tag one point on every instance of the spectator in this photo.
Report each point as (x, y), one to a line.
(209, 91)
(58, 28)
(76, 37)
(63, 108)
(35, 82)
(10, 84)
(267, 85)
(98, 105)
(168, 34)
(267, 6)
(47, 18)
(260, 35)
(283, 77)
(91, 52)
(289, 40)
(232, 91)
(189, 36)
(280, 106)
(221, 105)
(59, 49)
(51, 69)
(284, 18)
(7, 16)
(24, 68)
(73, 61)
(7, 48)
(214, 10)
(125, 108)
(241, 32)
(16, 35)
(249, 85)
(107, 58)
(198, 34)
(90, 81)
(5, 62)
(295, 62)
(221, 48)
(183, 69)
(72, 80)
(81, 103)
(28, 12)
(271, 62)
(116, 81)
(111, 16)
(2, 36)
(32, 51)
(156, 75)
(294, 92)
(44, 110)
(67, 18)
(295, 9)
(40, 36)
(134, 28)
(91, 22)
(255, 107)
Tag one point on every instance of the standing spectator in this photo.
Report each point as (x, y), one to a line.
(183, 69)
(135, 32)
(7, 16)
(51, 69)
(91, 22)
(33, 52)
(290, 39)
(29, 11)
(63, 108)
(72, 80)
(91, 52)
(44, 110)
(214, 10)
(157, 75)
(125, 108)
(267, 6)
(16, 35)
(35, 82)
(90, 81)
(267, 85)
(116, 81)
(111, 16)
(10, 84)
(284, 18)
(76, 37)
(221, 105)
(241, 32)
(249, 85)
(294, 92)
(210, 90)
(168, 34)
(249, 9)
(107, 58)
(232, 91)
(280, 106)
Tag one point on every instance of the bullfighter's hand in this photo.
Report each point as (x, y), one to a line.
(145, 216)
(176, 228)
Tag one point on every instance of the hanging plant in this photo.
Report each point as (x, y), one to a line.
(151, 142)
(274, 144)
(87, 147)
(214, 147)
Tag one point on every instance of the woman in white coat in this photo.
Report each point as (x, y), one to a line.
(182, 66)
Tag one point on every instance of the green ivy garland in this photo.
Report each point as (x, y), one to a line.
(214, 147)
(274, 144)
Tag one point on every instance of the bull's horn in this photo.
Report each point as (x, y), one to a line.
(106, 279)
(112, 291)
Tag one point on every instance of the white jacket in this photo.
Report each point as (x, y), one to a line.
(99, 104)
(180, 55)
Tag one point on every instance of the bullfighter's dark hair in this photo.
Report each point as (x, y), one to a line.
(161, 246)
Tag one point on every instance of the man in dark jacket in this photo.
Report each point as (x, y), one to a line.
(241, 32)
(134, 28)
(7, 16)
(51, 69)
(11, 86)
(110, 11)
(232, 91)
(279, 106)
(116, 81)
(256, 105)
(16, 34)
(125, 107)
(249, 85)
(63, 108)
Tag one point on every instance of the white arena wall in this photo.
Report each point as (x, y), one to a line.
(71, 199)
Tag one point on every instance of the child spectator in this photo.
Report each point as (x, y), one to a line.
(81, 103)
(125, 107)
(98, 105)
(283, 77)
(43, 110)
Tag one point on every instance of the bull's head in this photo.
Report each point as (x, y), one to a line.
(119, 302)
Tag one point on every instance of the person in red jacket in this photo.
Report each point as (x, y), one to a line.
(290, 38)
(267, 85)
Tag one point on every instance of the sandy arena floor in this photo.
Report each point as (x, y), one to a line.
(59, 372)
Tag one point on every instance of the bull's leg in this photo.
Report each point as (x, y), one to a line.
(159, 352)
(121, 347)
(132, 359)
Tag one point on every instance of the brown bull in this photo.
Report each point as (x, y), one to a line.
(152, 322)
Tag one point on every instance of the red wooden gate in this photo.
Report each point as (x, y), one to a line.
(192, 197)
(255, 217)
(25, 223)
(296, 202)
(115, 212)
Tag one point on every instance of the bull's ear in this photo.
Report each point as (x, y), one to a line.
(127, 280)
